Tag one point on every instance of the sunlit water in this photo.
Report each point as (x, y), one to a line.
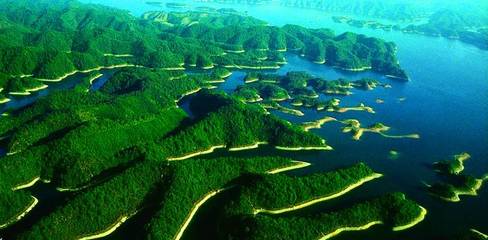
(445, 102)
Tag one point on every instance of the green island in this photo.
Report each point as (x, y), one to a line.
(141, 133)
(69, 48)
(301, 89)
(455, 183)
(353, 126)
(391, 209)
(467, 26)
(276, 194)
(454, 166)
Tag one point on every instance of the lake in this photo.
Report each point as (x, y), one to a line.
(445, 102)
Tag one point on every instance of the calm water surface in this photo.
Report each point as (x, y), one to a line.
(445, 102)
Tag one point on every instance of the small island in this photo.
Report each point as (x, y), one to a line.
(455, 183)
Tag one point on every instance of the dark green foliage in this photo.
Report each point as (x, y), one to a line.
(392, 10)
(185, 191)
(455, 182)
(103, 205)
(265, 90)
(236, 124)
(391, 209)
(12, 204)
(467, 26)
(281, 191)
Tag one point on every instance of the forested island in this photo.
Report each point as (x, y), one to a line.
(456, 183)
(467, 26)
(114, 39)
(128, 146)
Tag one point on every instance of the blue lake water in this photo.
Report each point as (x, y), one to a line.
(445, 102)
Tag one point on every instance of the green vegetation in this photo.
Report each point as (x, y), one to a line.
(394, 210)
(234, 124)
(455, 182)
(319, 45)
(13, 204)
(454, 166)
(278, 192)
(365, 23)
(191, 181)
(467, 23)
(467, 26)
(78, 37)
(103, 205)
(395, 10)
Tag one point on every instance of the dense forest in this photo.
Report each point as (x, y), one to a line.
(76, 37)
(454, 181)
(391, 209)
(129, 145)
(278, 191)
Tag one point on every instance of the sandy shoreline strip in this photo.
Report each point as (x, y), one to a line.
(252, 146)
(297, 165)
(325, 148)
(320, 199)
(317, 124)
(21, 215)
(479, 233)
(27, 185)
(94, 78)
(412, 136)
(59, 79)
(117, 55)
(188, 93)
(348, 229)
(4, 100)
(110, 230)
(210, 150)
(194, 210)
(414, 222)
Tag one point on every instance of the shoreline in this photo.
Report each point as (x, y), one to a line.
(297, 165)
(187, 94)
(479, 233)
(349, 229)
(361, 107)
(321, 199)
(420, 218)
(94, 78)
(317, 124)
(226, 75)
(210, 150)
(396, 77)
(60, 189)
(252, 67)
(194, 210)
(110, 230)
(4, 100)
(22, 214)
(253, 146)
(359, 69)
(412, 136)
(117, 55)
(59, 79)
(326, 148)
(28, 91)
(27, 185)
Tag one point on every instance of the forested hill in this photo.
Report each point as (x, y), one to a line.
(51, 39)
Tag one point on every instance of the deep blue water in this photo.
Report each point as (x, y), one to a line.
(445, 102)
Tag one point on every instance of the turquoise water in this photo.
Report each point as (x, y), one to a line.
(445, 102)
